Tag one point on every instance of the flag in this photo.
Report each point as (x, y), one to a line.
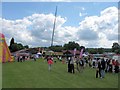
(81, 52)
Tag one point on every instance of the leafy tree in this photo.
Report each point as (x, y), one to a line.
(107, 49)
(14, 47)
(117, 51)
(115, 47)
(92, 50)
(71, 46)
(96, 50)
(57, 48)
(20, 46)
(11, 42)
(26, 46)
(100, 50)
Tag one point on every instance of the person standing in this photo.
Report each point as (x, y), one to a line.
(34, 57)
(81, 64)
(113, 65)
(50, 62)
(110, 66)
(21, 58)
(107, 65)
(78, 64)
(90, 62)
(98, 69)
(72, 65)
(117, 66)
(18, 58)
(69, 66)
(103, 66)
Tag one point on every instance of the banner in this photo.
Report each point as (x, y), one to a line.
(81, 53)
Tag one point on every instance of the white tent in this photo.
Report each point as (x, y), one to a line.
(85, 55)
(39, 53)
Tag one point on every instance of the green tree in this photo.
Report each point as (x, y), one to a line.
(20, 46)
(115, 47)
(11, 42)
(92, 50)
(26, 46)
(71, 45)
(100, 50)
(117, 51)
(57, 48)
(14, 47)
(107, 49)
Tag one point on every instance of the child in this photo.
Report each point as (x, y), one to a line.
(50, 62)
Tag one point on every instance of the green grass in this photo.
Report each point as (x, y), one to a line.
(31, 74)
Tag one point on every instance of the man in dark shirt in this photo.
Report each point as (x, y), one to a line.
(69, 66)
(98, 68)
(103, 66)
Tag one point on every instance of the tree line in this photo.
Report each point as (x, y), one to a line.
(71, 45)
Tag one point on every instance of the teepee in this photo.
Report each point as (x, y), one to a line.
(5, 55)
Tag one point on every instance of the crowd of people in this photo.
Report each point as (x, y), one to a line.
(76, 63)
(101, 65)
(21, 58)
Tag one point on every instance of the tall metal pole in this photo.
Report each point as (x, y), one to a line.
(54, 26)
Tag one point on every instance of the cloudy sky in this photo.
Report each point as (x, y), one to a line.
(92, 24)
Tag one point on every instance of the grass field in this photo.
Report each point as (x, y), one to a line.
(31, 74)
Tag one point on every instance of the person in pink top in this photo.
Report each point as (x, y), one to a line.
(50, 62)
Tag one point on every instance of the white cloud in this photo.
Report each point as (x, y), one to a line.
(103, 28)
(36, 30)
(65, 34)
(82, 14)
(82, 11)
(33, 30)
(83, 8)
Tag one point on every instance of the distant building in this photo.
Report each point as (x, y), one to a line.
(70, 52)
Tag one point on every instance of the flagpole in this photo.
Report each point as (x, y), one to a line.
(54, 27)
